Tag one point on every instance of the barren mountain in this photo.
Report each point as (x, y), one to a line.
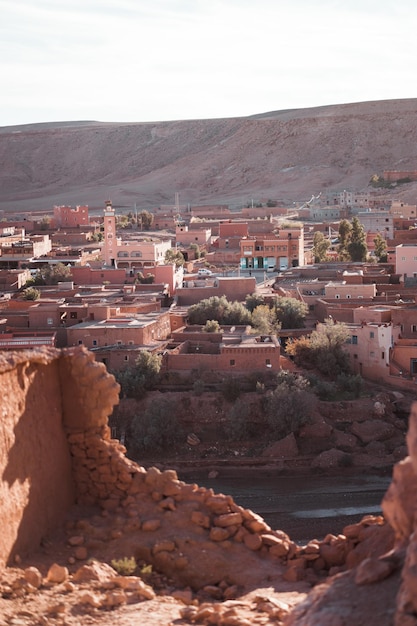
(285, 155)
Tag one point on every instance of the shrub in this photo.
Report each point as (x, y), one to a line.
(198, 387)
(351, 383)
(230, 388)
(288, 408)
(238, 425)
(157, 427)
(124, 567)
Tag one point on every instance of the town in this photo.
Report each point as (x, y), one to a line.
(120, 284)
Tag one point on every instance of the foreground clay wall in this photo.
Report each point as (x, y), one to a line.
(46, 395)
(36, 486)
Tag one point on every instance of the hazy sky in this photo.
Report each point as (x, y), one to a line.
(153, 60)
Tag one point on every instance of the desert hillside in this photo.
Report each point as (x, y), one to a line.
(285, 155)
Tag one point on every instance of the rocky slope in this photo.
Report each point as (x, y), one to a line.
(284, 155)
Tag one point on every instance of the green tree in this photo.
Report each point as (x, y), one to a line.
(174, 256)
(156, 428)
(212, 326)
(289, 406)
(321, 245)
(220, 309)
(264, 320)
(135, 381)
(45, 222)
(380, 249)
(290, 312)
(145, 219)
(345, 229)
(323, 350)
(196, 248)
(253, 300)
(357, 248)
(30, 293)
(53, 274)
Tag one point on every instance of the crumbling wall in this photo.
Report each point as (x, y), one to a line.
(46, 395)
(36, 486)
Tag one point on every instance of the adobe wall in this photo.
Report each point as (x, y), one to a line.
(46, 395)
(36, 486)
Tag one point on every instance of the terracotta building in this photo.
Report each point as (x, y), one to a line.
(232, 351)
(284, 250)
(69, 217)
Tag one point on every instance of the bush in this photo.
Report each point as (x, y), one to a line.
(157, 428)
(238, 425)
(198, 387)
(353, 384)
(288, 408)
(231, 390)
(324, 389)
(124, 567)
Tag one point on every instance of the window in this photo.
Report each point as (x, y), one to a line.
(94, 342)
(371, 334)
(267, 361)
(382, 355)
(49, 321)
(126, 357)
(337, 296)
(414, 328)
(232, 361)
(119, 342)
(355, 339)
(80, 342)
(348, 296)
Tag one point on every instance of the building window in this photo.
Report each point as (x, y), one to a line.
(94, 342)
(267, 361)
(348, 296)
(371, 334)
(49, 321)
(414, 328)
(337, 296)
(126, 357)
(382, 355)
(355, 339)
(80, 342)
(232, 361)
(119, 342)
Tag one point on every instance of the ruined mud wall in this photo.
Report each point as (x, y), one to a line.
(45, 395)
(36, 486)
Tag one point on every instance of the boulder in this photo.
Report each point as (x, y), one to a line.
(284, 448)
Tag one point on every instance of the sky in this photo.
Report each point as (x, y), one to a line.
(162, 60)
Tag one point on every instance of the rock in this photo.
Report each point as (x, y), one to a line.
(193, 440)
(373, 430)
(284, 448)
(33, 577)
(329, 458)
(57, 574)
(372, 570)
(114, 599)
(151, 525)
(90, 598)
(95, 571)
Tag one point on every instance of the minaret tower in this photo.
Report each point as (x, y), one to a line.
(110, 243)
